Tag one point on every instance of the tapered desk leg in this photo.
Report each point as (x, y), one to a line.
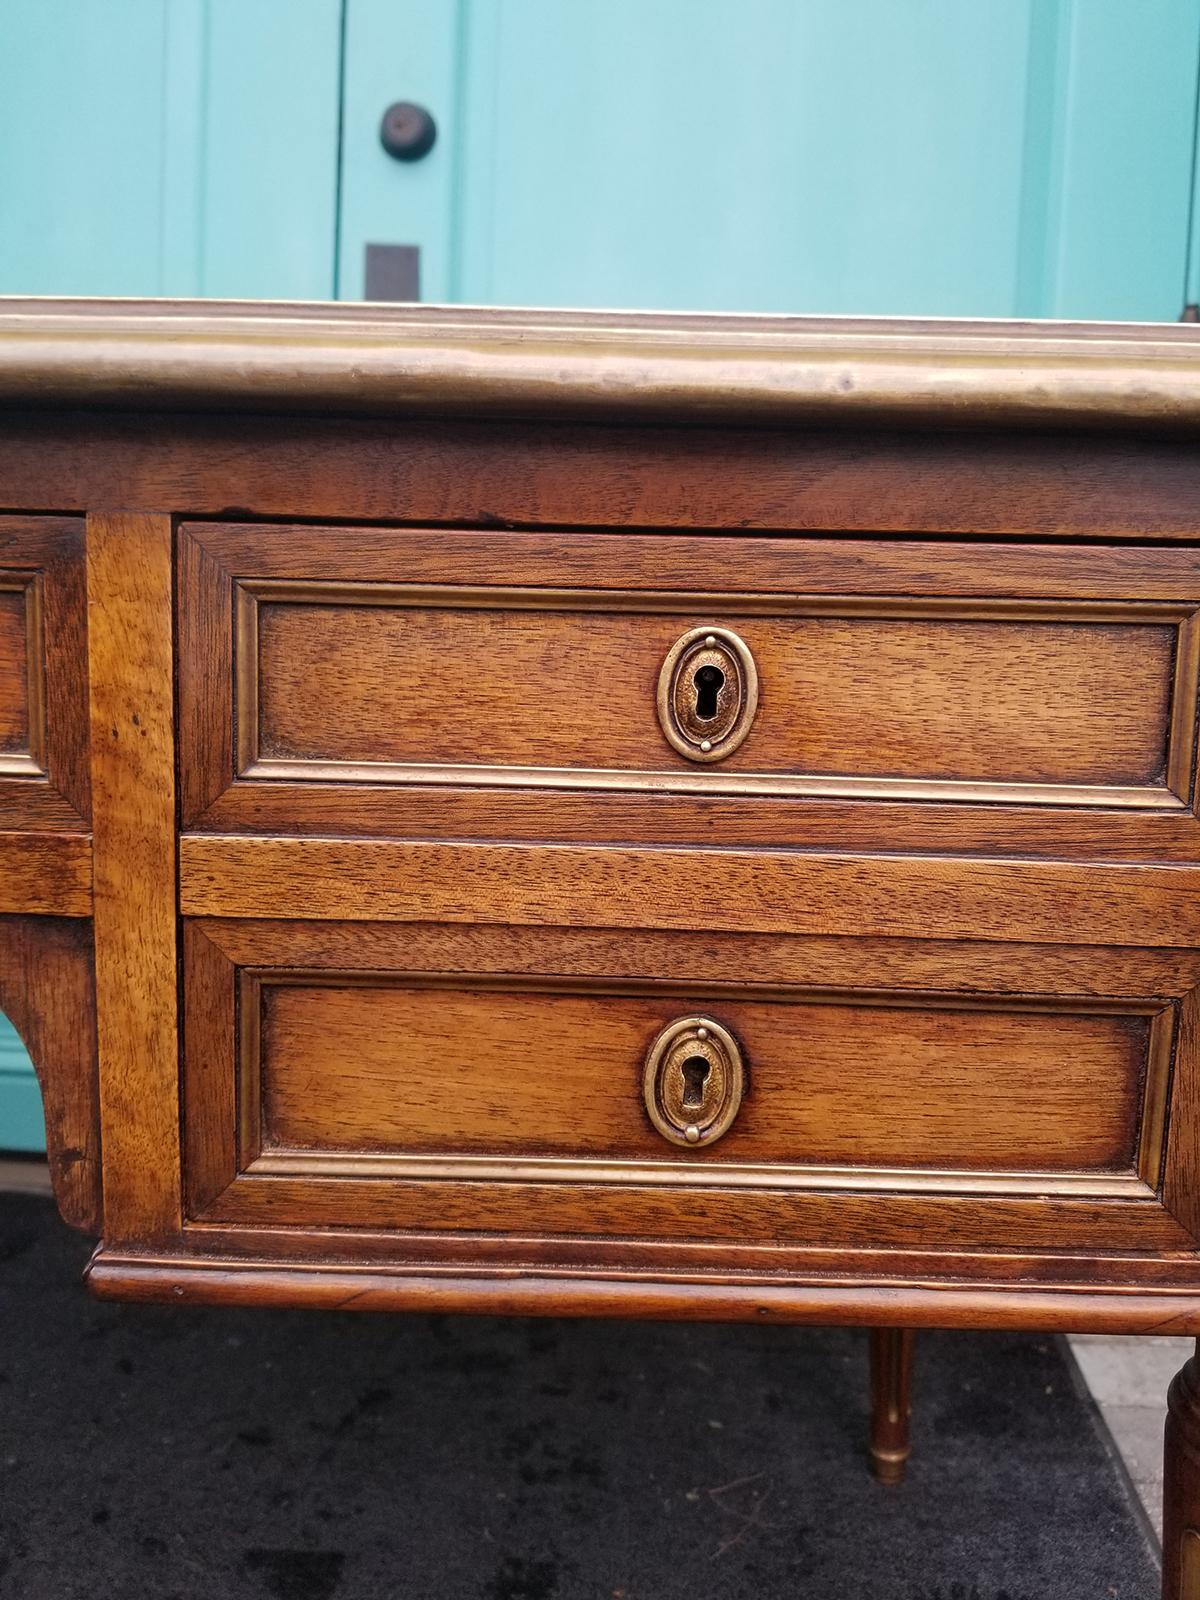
(1181, 1486)
(891, 1401)
(46, 988)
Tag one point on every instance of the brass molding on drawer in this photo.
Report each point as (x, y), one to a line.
(614, 886)
(880, 1182)
(435, 1122)
(1154, 1021)
(744, 786)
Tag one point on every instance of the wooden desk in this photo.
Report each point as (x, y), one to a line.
(624, 816)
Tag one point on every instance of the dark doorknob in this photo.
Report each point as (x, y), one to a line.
(407, 132)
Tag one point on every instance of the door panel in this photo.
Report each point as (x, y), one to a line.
(1110, 143)
(209, 167)
(1011, 157)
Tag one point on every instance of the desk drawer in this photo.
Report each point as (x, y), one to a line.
(720, 688)
(753, 1088)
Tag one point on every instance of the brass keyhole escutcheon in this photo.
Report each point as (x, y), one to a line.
(693, 1081)
(707, 694)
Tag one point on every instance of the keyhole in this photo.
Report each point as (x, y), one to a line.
(709, 682)
(695, 1075)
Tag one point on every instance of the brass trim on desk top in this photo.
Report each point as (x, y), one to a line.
(721, 368)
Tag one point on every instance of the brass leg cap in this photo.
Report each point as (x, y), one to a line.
(888, 1466)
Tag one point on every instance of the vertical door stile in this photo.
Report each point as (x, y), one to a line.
(400, 50)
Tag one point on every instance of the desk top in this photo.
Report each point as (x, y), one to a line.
(450, 360)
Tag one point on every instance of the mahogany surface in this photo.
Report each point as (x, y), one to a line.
(347, 872)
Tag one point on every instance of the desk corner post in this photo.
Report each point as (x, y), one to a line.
(131, 673)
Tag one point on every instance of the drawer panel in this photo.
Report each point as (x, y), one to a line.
(419, 1076)
(515, 686)
(43, 675)
(409, 1067)
(326, 682)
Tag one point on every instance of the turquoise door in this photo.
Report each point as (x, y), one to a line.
(920, 157)
(925, 157)
(937, 157)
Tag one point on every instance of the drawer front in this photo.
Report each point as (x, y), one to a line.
(438, 1079)
(43, 675)
(646, 679)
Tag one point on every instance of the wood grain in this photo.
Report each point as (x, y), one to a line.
(348, 810)
(687, 562)
(210, 1098)
(204, 619)
(507, 473)
(634, 887)
(133, 783)
(851, 1219)
(1181, 1191)
(47, 992)
(1010, 1268)
(48, 874)
(712, 957)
